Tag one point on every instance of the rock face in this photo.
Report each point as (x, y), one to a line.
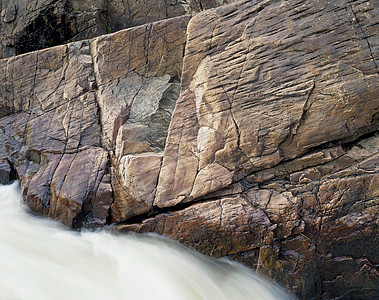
(32, 25)
(64, 121)
(5, 173)
(248, 131)
(309, 223)
(138, 73)
(230, 119)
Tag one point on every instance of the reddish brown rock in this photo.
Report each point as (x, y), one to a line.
(305, 226)
(221, 227)
(27, 26)
(271, 156)
(61, 104)
(253, 97)
(51, 132)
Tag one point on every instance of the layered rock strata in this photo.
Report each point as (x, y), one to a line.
(268, 156)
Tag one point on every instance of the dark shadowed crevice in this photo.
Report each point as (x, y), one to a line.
(47, 30)
(8, 173)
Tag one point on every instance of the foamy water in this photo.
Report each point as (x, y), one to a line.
(39, 259)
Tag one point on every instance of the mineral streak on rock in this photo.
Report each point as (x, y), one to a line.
(247, 131)
(138, 73)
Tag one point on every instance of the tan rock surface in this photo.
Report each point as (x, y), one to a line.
(33, 25)
(296, 231)
(96, 99)
(271, 155)
(135, 182)
(264, 83)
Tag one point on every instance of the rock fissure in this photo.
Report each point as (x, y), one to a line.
(365, 37)
(266, 152)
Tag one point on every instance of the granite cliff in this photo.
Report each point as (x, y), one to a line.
(249, 130)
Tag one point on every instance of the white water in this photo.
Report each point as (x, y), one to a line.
(39, 259)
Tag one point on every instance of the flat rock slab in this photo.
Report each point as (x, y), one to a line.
(264, 83)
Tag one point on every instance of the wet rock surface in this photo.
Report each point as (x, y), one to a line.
(248, 131)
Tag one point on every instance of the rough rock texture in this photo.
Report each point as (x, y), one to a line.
(5, 172)
(254, 93)
(266, 136)
(60, 108)
(313, 230)
(138, 73)
(248, 131)
(50, 128)
(32, 25)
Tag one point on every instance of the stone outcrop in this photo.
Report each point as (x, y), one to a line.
(64, 122)
(33, 25)
(248, 131)
(315, 215)
(254, 93)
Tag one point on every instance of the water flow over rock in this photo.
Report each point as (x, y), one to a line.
(41, 260)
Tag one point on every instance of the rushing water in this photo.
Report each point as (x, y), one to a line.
(40, 259)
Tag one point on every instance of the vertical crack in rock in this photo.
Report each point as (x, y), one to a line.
(365, 36)
(280, 94)
(109, 156)
(34, 96)
(294, 127)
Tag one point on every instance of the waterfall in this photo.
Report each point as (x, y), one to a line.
(40, 259)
